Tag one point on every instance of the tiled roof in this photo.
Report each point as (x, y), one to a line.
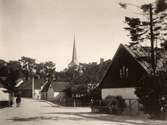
(27, 84)
(143, 54)
(46, 86)
(60, 86)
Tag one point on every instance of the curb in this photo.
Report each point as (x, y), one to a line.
(1, 109)
(50, 103)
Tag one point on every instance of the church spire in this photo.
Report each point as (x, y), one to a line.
(74, 61)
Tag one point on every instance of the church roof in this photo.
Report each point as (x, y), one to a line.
(74, 61)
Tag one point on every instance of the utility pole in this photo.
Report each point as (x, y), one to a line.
(152, 40)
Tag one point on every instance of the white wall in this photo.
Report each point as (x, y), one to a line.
(3, 96)
(37, 94)
(126, 93)
(50, 94)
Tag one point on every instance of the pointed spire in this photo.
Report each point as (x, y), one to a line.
(74, 61)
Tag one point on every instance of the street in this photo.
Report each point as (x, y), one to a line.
(37, 112)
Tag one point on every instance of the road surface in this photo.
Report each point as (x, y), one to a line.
(36, 112)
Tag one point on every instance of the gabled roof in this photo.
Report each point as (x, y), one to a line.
(27, 84)
(46, 86)
(60, 86)
(141, 55)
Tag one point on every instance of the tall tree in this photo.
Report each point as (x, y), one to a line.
(152, 89)
(155, 16)
(28, 65)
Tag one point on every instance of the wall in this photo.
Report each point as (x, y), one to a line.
(26, 93)
(3, 96)
(50, 94)
(126, 93)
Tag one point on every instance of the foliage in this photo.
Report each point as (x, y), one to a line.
(139, 29)
(115, 104)
(152, 89)
(10, 73)
(95, 93)
(41, 70)
(84, 78)
(28, 65)
(152, 94)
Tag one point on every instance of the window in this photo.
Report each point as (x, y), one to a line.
(123, 72)
(120, 73)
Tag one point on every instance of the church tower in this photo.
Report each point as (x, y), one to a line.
(74, 61)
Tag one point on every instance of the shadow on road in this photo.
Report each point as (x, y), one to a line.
(24, 119)
(77, 116)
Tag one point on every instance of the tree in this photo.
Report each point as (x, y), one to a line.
(152, 28)
(10, 73)
(49, 70)
(28, 65)
(153, 95)
(139, 29)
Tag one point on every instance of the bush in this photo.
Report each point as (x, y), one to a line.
(115, 104)
(153, 95)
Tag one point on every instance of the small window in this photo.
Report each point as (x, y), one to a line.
(120, 73)
(124, 72)
(127, 73)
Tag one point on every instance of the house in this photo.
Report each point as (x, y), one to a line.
(62, 93)
(129, 65)
(123, 74)
(55, 90)
(4, 97)
(26, 88)
(47, 92)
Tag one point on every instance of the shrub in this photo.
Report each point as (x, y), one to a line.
(115, 104)
(153, 95)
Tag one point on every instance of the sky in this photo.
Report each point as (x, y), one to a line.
(44, 29)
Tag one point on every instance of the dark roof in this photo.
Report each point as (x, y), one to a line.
(141, 55)
(46, 86)
(60, 86)
(27, 84)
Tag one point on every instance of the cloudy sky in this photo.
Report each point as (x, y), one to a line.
(44, 29)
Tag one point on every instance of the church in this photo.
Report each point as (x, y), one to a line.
(74, 62)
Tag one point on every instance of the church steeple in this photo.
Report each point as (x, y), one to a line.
(74, 61)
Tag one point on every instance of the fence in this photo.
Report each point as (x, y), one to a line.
(133, 107)
(4, 104)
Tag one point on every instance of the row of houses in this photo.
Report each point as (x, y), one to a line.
(45, 90)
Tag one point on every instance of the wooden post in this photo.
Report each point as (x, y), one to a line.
(138, 106)
(74, 102)
(33, 87)
(130, 108)
(152, 40)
